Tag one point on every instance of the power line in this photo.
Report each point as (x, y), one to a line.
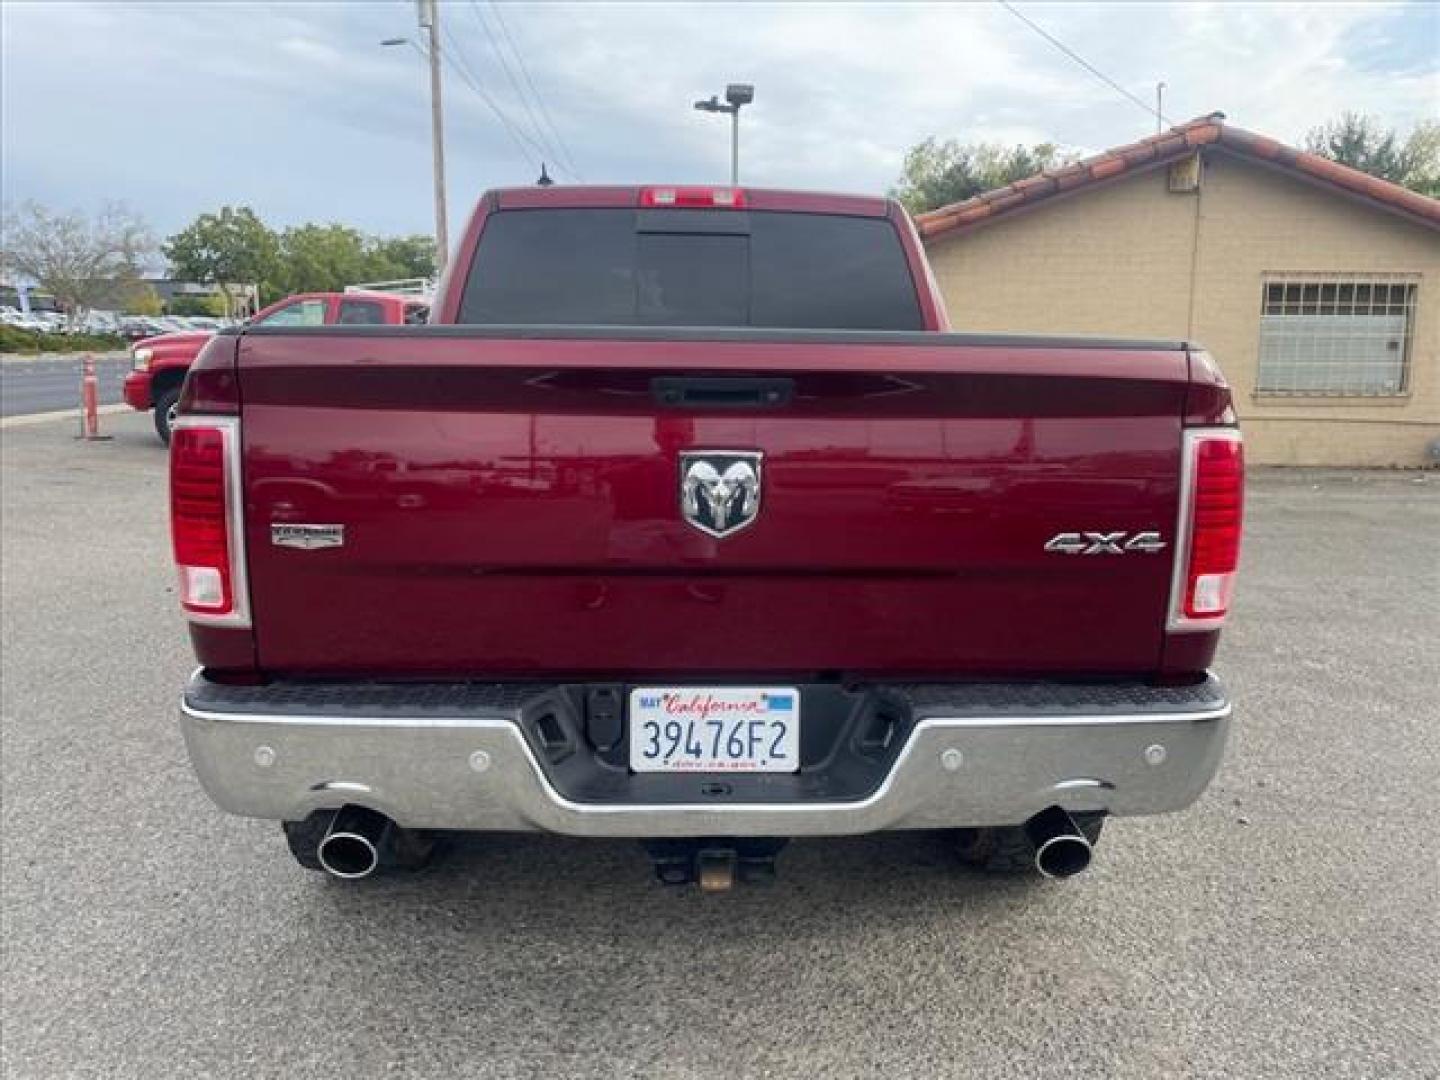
(1150, 109)
(535, 126)
(534, 90)
(510, 75)
(455, 56)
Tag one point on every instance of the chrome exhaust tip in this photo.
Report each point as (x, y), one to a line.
(1061, 849)
(352, 845)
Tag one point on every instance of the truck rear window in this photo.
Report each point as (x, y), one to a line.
(624, 267)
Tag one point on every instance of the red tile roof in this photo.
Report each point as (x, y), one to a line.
(1169, 146)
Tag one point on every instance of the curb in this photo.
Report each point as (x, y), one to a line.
(51, 358)
(27, 419)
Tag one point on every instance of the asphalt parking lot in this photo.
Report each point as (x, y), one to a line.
(32, 384)
(1284, 926)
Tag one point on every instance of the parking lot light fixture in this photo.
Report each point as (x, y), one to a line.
(736, 96)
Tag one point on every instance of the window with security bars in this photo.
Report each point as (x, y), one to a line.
(1336, 336)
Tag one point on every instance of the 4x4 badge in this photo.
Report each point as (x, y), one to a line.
(720, 489)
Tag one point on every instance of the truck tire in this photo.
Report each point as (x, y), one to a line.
(1007, 850)
(165, 412)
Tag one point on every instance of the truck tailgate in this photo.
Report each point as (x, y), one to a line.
(511, 505)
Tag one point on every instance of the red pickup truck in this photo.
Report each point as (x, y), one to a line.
(159, 364)
(687, 520)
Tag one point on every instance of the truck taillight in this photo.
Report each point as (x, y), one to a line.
(1212, 504)
(205, 519)
(703, 197)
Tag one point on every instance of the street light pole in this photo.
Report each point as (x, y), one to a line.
(429, 13)
(736, 95)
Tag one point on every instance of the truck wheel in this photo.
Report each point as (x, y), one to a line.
(165, 413)
(1007, 850)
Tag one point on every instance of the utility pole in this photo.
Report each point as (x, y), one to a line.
(429, 13)
(1159, 107)
(736, 95)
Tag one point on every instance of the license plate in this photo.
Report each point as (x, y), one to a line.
(715, 729)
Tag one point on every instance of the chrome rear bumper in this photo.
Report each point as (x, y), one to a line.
(478, 772)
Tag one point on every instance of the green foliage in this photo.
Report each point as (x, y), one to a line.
(235, 247)
(231, 247)
(184, 306)
(939, 173)
(402, 257)
(1363, 143)
(321, 258)
(15, 340)
(143, 300)
(326, 258)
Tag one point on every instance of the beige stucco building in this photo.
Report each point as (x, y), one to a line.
(1316, 287)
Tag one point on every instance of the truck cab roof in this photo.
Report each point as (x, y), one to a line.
(691, 196)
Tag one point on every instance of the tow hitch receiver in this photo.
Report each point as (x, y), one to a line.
(715, 864)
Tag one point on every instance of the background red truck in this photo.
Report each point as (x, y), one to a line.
(685, 519)
(160, 362)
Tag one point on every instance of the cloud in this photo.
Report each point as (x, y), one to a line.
(296, 110)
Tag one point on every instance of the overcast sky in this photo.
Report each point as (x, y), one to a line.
(295, 109)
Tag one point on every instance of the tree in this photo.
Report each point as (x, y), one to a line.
(1363, 143)
(83, 262)
(143, 300)
(939, 173)
(211, 306)
(402, 257)
(322, 258)
(326, 258)
(232, 247)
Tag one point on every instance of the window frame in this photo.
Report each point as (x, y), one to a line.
(268, 319)
(1309, 293)
(374, 306)
(613, 290)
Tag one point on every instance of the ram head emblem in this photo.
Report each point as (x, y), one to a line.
(720, 490)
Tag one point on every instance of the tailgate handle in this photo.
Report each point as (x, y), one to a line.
(722, 392)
